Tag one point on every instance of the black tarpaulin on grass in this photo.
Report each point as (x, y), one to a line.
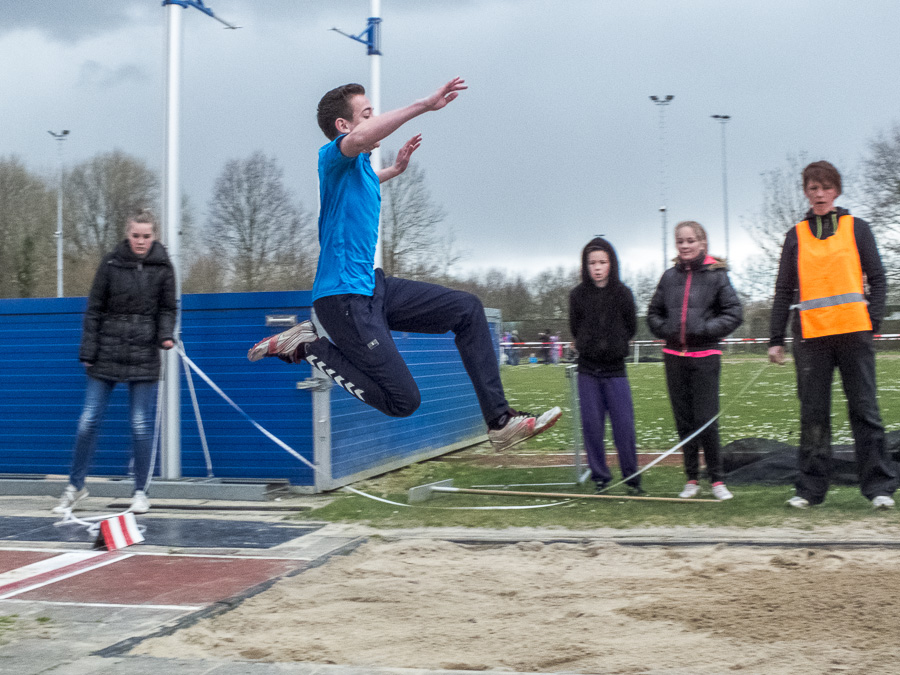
(768, 462)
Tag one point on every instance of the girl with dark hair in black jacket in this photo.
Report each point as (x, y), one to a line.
(130, 317)
(693, 308)
(603, 319)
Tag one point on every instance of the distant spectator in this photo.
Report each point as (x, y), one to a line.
(554, 348)
(514, 356)
(544, 339)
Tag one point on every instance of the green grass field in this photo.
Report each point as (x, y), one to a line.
(767, 408)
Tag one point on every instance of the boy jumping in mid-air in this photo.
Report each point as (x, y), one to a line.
(358, 306)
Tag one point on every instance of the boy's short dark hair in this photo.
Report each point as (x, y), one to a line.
(142, 217)
(822, 172)
(336, 104)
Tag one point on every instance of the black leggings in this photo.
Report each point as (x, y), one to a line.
(693, 384)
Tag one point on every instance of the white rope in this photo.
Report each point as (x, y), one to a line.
(92, 523)
(190, 381)
(94, 526)
(284, 446)
(678, 446)
(154, 447)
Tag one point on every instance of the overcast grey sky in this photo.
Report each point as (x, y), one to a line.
(556, 140)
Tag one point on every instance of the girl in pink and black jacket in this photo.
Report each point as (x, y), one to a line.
(694, 306)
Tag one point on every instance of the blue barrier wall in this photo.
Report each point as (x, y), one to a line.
(217, 329)
(42, 390)
(449, 413)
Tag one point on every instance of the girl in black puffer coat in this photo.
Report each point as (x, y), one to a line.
(693, 308)
(130, 317)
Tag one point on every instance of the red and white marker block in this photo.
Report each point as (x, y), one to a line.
(118, 532)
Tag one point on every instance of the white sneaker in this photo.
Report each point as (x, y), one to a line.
(285, 344)
(798, 502)
(547, 420)
(139, 503)
(882, 502)
(721, 492)
(521, 426)
(70, 497)
(690, 490)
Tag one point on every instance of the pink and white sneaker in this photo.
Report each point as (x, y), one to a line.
(521, 426)
(284, 345)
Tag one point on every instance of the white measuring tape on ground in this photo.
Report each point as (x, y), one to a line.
(677, 447)
(113, 531)
(284, 446)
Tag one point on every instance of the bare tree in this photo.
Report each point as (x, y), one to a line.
(412, 245)
(256, 231)
(100, 194)
(27, 224)
(784, 205)
(755, 279)
(200, 268)
(880, 190)
(643, 285)
(551, 290)
(510, 294)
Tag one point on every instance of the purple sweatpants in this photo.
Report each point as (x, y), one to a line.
(600, 396)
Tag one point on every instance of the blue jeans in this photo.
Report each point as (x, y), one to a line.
(141, 398)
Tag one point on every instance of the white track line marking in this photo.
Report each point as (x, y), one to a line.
(65, 576)
(43, 566)
(112, 605)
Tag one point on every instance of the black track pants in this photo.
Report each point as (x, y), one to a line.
(693, 384)
(362, 356)
(854, 356)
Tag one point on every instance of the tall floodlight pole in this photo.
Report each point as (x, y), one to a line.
(170, 438)
(60, 137)
(723, 120)
(371, 38)
(662, 102)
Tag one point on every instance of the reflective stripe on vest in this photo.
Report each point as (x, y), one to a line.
(832, 300)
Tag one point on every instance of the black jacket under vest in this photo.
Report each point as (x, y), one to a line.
(787, 283)
(130, 313)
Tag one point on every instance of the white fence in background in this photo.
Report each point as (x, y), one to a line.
(523, 353)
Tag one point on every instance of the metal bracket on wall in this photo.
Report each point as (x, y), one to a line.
(315, 384)
(281, 320)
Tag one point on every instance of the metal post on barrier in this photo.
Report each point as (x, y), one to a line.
(577, 438)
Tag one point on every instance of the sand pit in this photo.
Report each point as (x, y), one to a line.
(584, 608)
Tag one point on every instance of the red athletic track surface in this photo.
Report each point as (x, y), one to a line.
(139, 579)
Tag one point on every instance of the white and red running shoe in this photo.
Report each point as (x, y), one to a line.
(284, 345)
(521, 426)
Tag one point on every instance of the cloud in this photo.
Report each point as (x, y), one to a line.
(97, 75)
(70, 20)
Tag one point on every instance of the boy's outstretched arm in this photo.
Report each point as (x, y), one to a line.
(402, 160)
(372, 131)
